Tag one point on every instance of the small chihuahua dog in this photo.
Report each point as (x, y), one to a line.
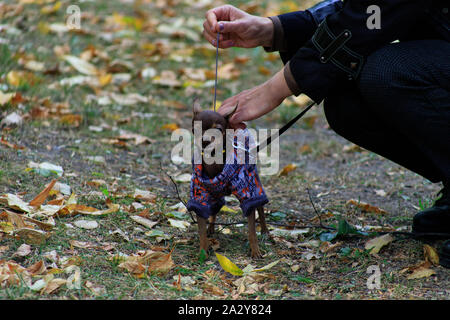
(212, 181)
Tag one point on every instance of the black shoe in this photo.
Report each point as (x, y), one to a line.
(435, 220)
(444, 255)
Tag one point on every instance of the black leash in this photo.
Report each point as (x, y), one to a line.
(284, 128)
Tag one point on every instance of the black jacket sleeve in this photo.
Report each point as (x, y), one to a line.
(308, 75)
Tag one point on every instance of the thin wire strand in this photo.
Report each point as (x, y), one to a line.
(217, 62)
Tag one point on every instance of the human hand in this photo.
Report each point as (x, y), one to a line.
(256, 102)
(237, 28)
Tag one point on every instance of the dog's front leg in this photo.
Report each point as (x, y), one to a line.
(252, 238)
(262, 221)
(202, 234)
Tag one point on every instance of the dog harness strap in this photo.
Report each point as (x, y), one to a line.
(283, 129)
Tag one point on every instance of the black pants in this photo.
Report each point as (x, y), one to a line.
(399, 107)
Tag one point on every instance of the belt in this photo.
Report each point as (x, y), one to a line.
(332, 48)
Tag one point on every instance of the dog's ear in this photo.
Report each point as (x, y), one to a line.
(231, 112)
(196, 108)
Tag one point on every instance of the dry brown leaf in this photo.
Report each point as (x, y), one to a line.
(210, 288)
(134, 267)
(265, 71)
(228, 71)
(4, 142)
(37, 268)
(241, 59)
(144, 195)
(82, 244)
(32, 236)
(42, 196)
(366, 207)
(22, 251)
(305, 149)
(15, 219)
(73, 120)
(145, 222)
(53, 285)
(158, 262)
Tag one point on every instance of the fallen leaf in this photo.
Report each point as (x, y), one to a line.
(375, 245)
(31, 236)
(158, 262)
(144, 195)
(421, 273)
(430, 254)
(82, 244)
(10, 145)
(38, 268)
(170, 126)
(134, 267)
(42, 196)
(53, 285)
(210, 288)
(185, 177)
(179, 223)
(145, 222)
(264, 71)
(22, 251)
(6, 97)
(229, 266)
(14, 202)
(287, 169)
(352, 148)
(81, 65)
(86, 224)
(11, 121)
(366, 207)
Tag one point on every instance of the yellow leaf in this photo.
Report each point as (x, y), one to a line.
(71, 120)
(17, 78)
(228, 210)
(287, 169)
(6, 97)
(229, 266)
(421, 273)
(170, 126)
(6, 227)
(105, 79)
(376, 244)
(430, 254)
(51, 8)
